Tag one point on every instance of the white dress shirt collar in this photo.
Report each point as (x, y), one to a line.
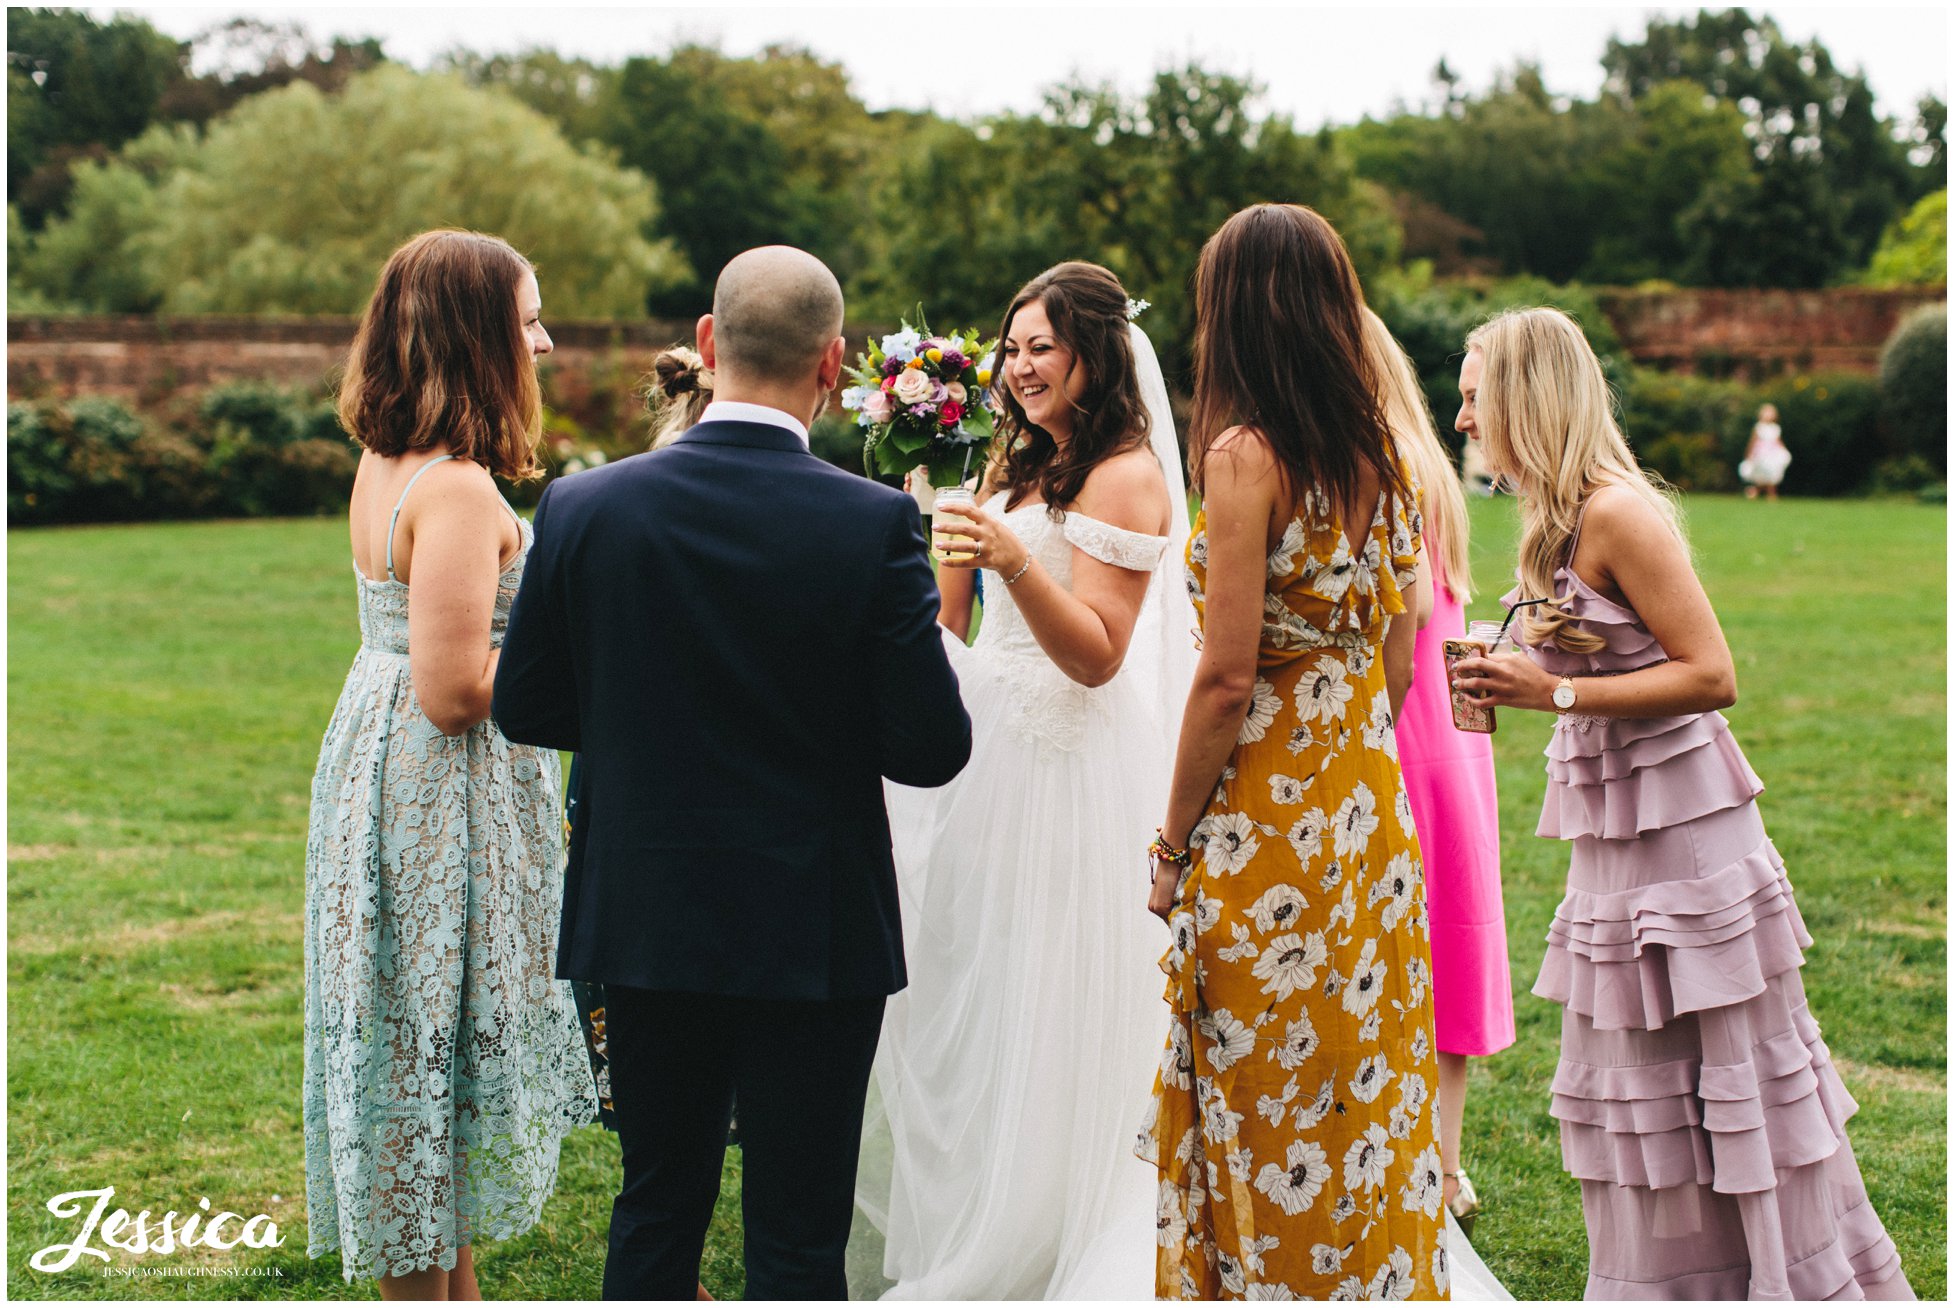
(735, 411)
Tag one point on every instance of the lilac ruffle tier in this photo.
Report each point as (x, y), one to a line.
(1698, 1105)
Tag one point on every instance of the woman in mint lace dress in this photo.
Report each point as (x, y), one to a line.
(443, 1063)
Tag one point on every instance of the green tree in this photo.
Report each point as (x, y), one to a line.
(1914, 250)
(290, 203)
(75, 85)
(1820, 150)
(1677, 151)
(573, 93)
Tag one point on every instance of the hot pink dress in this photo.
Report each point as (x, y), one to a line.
(1448, 775)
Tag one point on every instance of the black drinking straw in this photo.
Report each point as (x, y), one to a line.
(1510, 615)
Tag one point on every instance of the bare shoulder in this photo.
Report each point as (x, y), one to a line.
(1127, 490)
(1242, 451)
(1620, 515)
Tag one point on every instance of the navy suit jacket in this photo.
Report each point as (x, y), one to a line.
(740, 640)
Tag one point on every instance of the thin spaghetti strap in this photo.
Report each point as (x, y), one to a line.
(1580, 521)
(395, 520)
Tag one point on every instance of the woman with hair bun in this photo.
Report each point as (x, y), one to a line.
(1699, 1108)
(443, 1064)
(680, 388)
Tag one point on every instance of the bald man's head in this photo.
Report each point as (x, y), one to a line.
(775, 310)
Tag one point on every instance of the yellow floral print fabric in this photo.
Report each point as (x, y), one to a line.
(1295, 1115)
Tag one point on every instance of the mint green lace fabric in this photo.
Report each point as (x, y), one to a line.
(443, 1061)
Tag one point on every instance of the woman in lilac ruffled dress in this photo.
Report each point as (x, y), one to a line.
(1699, 1107)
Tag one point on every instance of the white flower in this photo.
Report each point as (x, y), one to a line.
(1442, 1264)
(1282, 560)
(1177, 1059)
(1416, 977)
(1367, 1033)
(1242, 948)
(1332, 579)
(1394, 889)
(1346, 909)
(1230, 1271)
(901, 346)
(1278, 907)
(1379, 732)
(1366, 981)
(1393, 1280)
(1332, 873)
(1426, 1187)
(1356, 820)
(1306, 835)
(1252, 1255)
(1325, 1259)
(1368, 563)
(1289, 964)
(1275, 1292)
(1285, 790)
(1197, 549)
(1358, 659)
(1372, 1075)
(1400, 1124)
(1421, 1044)
(1298, 1043)
(1169, 1221)
(1207, 912)
(1261, 712)
(1218, 1124)
(1349, 1290)
(1402, 806)
(1364, 1162)
(1412, 1090)
(1294, 1186)
(1273, 1108)
(1229, 1040)
(1313, 1112)
(1228, 842)
(1322, 692)
(1300, 739)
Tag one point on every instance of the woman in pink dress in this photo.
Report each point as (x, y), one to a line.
(1448, 775)
(1699, 1107)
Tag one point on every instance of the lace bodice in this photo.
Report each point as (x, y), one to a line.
(383, 604)
(1052, 707)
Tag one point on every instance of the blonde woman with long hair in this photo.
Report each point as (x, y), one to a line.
(1698, 1105)
(1449, 778)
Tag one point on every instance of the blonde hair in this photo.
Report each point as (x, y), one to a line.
(1548, 421)
(1409, 415)
(677, 393)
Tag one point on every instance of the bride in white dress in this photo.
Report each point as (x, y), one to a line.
(1014, 1070)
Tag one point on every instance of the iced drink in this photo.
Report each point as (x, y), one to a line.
(1481, 638)
(945, 542)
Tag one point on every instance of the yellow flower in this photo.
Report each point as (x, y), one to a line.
(935, 355)
(983, 376)
(914, 363)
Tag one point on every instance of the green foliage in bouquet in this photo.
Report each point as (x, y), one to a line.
(923, 399)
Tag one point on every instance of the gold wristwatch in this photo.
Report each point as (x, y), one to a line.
(1564, 695)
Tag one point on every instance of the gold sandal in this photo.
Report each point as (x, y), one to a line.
(1464, 1205)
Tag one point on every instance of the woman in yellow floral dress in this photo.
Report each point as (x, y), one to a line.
(1295, 1124)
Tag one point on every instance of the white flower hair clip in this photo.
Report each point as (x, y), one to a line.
(1134, 308)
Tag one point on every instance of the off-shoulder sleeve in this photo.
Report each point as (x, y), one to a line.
(1115, 545)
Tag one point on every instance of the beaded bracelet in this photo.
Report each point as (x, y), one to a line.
(1163, 852)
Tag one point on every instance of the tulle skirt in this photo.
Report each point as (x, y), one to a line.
(1015, 1069)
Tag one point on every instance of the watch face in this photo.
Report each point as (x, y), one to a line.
(1563, 697)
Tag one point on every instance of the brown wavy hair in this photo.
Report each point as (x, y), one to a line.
(1087, 307)
(1279, 347)
(441, 360)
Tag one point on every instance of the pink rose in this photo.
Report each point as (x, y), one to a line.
(912, 387)
(952, 413)
(957, 392)
(878, 407)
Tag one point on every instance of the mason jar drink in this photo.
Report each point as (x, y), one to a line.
(945, 541)
(1481, 639)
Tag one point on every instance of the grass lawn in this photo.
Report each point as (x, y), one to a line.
(168, 685)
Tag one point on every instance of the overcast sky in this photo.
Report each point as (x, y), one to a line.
(1327, 64)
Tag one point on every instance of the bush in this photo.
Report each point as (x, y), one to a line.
(1913, 386)
(1692, 430)
(274, 452)
(1831, 425)
(73, 462)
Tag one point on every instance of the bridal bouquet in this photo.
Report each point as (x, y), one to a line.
(924, 399)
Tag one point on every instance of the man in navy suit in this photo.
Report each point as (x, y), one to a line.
(741, 643)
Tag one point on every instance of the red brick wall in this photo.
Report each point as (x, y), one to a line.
(1760, 333)
(1751, 332)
